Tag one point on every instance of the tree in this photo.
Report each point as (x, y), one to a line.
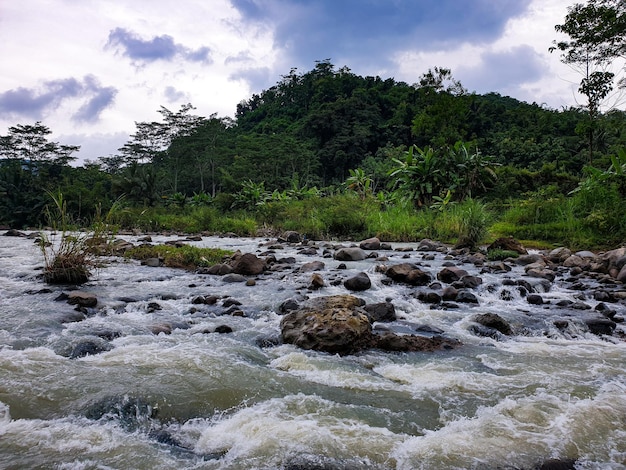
(597, 37)
(152, 141)
(30, 145)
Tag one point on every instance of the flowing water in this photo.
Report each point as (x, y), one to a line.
(198, 399)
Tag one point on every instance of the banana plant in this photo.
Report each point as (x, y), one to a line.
(419, 176)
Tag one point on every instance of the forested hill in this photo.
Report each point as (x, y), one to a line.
(318, 125)
(310, 129)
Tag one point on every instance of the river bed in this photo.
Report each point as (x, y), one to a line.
(189, 397)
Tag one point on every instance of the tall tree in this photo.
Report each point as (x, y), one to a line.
(152, 141)
(30, 144)
(597, 37)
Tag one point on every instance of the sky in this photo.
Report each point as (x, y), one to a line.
(90, 69)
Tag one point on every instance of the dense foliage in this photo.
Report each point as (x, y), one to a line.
(332, 153)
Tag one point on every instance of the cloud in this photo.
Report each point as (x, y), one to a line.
(368, 30)
(158, 48)
(90, 111)
(173, 95)
(503, 70)
(34, 103)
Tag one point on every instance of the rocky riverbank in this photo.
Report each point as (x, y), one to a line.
(344, 323)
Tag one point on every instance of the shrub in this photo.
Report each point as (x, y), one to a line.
(68, 260)
(473, 221)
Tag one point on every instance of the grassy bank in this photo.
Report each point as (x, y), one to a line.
(542, 219)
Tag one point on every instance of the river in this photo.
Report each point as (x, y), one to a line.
(192, 398)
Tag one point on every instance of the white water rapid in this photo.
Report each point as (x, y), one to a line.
(191, 398)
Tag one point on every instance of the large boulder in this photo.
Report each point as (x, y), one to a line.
(248, 264)
(339, 324)
(336, 324)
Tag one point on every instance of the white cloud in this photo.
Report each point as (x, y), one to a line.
(518, 63)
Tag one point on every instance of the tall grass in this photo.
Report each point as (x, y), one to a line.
(67, 258)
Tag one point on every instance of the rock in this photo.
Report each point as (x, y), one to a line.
(89, 347)
(287, 306)
(370, 244)
(429, 245)
(234, 278)
(451, 274)
(250, 283)
(130, 412)
(585, 254)
(534, 299)
(292, 236)
(248, 264)
(380, 312)
(558, 255)
(360, 282)
(312, 266)
(495, 321)
(466, 297)
(449, 293)
(417, 277)
(410, 343)
(82, 299)
(220, 269)
(544, 273)
(317, 281)
(470, 282)
(223, 329)
(335, 324)
(601, 326)
(350, 254)
(508, 244)
(408, 273)
(152, 262)
(164, 328)
(432, 298)
(229, 302)
(575, 261)
(525, 260)
(621, 276)
(14, 233)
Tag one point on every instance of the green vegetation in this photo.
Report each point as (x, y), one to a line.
(186, 257)
(335, 155)
(67, 257)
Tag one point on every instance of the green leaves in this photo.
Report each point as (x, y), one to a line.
(426, 174)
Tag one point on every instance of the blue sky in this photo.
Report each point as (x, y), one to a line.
(90, 69)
